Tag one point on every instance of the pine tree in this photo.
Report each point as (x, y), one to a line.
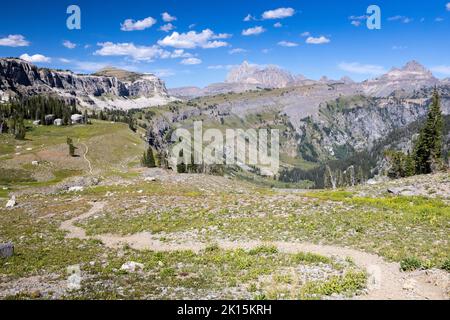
(328, 178)
(85, 117)
(428, 148)
(19, 130)
(360, 177)
(148, 159)
(72, 148)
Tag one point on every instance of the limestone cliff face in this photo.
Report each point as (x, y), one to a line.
(18, 77)
(355, 124)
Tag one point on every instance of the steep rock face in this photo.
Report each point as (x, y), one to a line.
(355, 124)
(18, 77)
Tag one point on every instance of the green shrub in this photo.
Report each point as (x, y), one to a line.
(307, 257)
(446, 265)
(410, 264)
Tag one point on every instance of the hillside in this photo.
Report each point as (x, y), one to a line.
(42, 160)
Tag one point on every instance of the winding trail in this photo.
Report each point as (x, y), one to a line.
(385, 282)
(85, 158)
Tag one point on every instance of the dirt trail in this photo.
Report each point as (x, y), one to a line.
(85, 157)
(386, 281)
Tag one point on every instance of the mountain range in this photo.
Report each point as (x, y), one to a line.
(115, 88)
(246, 76)
(322, 120)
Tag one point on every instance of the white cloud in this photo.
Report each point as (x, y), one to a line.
(265, 51)
(287, 44)
(192, 25)
(132, 25)
(139, 53)
(216, 67)
(35, 58)
(14, 40)
(192, 40)
(64, 60)
(441, 69)
(249, 17)
(399, 47)
(447, 6)
(167, 17)
(357, 17)
(180, 53)
(253, 31)
(191, 61)
(222, 36)
(305, 34)
(319, 40)
(357, 20)
(167, 27)
(221, 66)
(358, 68)
(279, 13)
(237, 50)
(439, 19)
(69, 45)
(402, 19)
(278, 25)
(163, 73)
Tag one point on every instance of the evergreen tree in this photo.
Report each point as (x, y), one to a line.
(85, 117)
(148, 159)
(428, 148)
(328, 178)
(181, 168)
(72, 148)
(19, 130)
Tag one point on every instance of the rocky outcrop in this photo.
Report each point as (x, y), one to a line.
(268, 77)
(412, 77)
(18, 78)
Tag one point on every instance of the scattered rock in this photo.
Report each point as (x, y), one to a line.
(132, 266)
(409, 285)
(403, 191)
(11, 202)
(150, 179)
(76, 189)
(34, 163)
(6, 250)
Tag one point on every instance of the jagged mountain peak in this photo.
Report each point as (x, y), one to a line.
(270, 76)
(413, 65)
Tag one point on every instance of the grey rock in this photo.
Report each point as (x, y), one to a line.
(6, 250)
(18, 78)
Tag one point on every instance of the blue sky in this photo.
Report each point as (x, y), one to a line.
(312, 38)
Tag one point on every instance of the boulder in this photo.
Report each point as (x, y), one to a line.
(132, 266)
(6, 250)
(76, 189)
(11, 202)
(404, 191)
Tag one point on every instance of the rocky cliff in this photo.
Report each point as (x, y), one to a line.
(18, 77)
